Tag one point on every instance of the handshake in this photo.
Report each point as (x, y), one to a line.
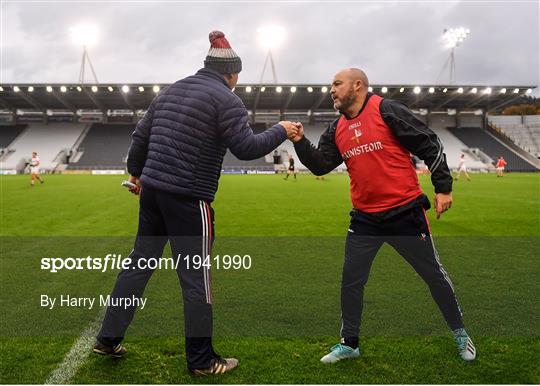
(295, 130)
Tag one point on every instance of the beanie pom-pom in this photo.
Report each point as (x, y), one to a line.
(214, 35)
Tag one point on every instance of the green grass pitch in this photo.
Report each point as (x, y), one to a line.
(281, 315)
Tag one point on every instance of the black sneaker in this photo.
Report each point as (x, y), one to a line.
(219, 366)
(117, 351)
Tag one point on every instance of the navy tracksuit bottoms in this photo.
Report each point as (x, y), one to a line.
(188, 224)
(409, 234)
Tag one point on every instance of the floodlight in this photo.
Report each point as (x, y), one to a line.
(16, 89)
(125, 89)
(474, 90)
(529, 91)
(431, 90)
(445, 90)
(84, 34)
(248, 89)
(30, 88)
(384, 90)
(487, 90)
(94, 88)
(454, 36)
(503, 91)
(310, 89)
(263, 89)
(516, 90)
(324, 89)
(293, 89)
(79, 89)
(271, 36)
(49, 89)
(417, 90)
(110, 89)
(402, 89)
(63, 88)
(141, 89)
(460, 90)
(155, 89)
(1, 89)
(370, 89)
(279, 89)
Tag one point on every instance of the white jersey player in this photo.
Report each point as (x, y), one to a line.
(34, 169)
(462, 168)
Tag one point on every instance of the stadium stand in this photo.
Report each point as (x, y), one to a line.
(523, 131)
(9, 133)
(478, 138)
(47, 140)
(105, 146)
(230, 162)
(453, 148)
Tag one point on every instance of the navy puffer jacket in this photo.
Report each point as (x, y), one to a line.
(179, 145)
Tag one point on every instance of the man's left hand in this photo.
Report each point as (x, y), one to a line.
(443, 202)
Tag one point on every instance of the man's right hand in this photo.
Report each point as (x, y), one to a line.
(135, 180)
(292, 130)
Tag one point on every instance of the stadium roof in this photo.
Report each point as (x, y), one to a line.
(256, 97)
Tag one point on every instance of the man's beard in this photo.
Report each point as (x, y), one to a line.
(345, 102)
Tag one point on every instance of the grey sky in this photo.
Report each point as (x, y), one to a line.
(395, 42)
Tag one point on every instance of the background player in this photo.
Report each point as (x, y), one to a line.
(501, 163)
(291, 169)
(34, 169)
(462, 168)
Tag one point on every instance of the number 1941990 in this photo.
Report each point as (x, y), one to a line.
(235, 262)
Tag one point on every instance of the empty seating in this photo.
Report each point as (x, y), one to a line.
(47, 140)
(523, 131)
(453, 148)
(105, 147)
(9, 133)
(475, 137)
(230, 162)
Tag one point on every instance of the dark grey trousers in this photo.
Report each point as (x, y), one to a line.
(188, 224)
(408, 233)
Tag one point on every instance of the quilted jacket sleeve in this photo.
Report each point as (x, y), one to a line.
(239, 137)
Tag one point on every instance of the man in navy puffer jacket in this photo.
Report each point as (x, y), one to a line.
(175, 162)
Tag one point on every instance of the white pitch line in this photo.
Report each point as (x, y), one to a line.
(77, 354)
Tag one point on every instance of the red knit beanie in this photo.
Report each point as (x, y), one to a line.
(221, 57)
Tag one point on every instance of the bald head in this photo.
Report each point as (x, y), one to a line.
(353, 75)
(349, 89)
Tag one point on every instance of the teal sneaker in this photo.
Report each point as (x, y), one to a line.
(339, 352)
(465, 346)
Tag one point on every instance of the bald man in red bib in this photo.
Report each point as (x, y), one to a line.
(376, 138)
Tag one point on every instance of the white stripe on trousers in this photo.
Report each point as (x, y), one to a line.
(445, 274)
(205, 249)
